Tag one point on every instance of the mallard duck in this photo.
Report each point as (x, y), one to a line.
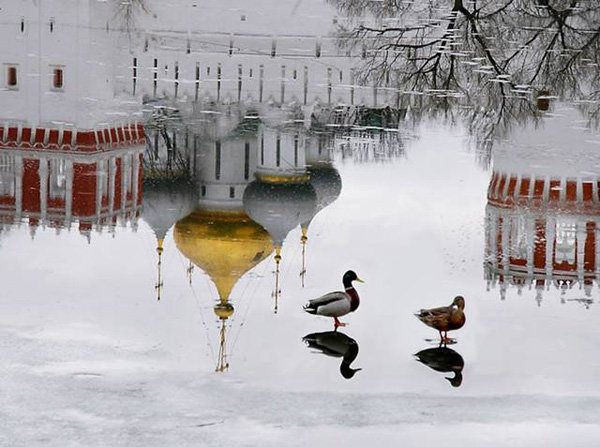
(445, 319)
(443, 359)
(336, 344)
(337, 304)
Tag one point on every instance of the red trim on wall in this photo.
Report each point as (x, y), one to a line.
(86, 140)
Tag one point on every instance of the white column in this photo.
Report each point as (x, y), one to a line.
(506, 185)
(518, 187)
(531, 185)
(579, 191)
(563, 190)
(546, 193)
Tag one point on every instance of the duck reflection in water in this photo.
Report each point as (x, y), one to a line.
(335, 344)
(445, 360)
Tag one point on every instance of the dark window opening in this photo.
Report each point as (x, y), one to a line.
(231, 192)
(57, 78)
(217, 160)
(278, 152)
(11, 77)
(296, 150)
(203, 190)
(246, 160)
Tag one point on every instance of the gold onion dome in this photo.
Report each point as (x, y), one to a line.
(225, 245)
(280, 208)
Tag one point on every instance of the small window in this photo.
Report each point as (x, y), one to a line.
(57, 78)
(203, 190)
(12, 77)
(231, 192)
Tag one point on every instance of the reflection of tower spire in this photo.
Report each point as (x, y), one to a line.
(223, 309)
(303, 240)
(277, 291)
(539, 296)
(539, 290)
(502, 290)
(159, 283)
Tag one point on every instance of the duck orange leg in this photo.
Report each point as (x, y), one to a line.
(444, 339)
(337, 323)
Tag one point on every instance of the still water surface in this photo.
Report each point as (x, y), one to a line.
(153, 291)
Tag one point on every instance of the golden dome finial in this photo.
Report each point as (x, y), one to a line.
(222, 363)
(277, 291)
(303, 240)
(223, 310)
(159, 283)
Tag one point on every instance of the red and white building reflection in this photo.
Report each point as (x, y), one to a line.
(70, 142)
(543, 213)
(57, 188)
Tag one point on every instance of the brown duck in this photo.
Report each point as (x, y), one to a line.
(445, 319)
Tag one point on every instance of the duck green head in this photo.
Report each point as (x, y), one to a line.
(350, 276)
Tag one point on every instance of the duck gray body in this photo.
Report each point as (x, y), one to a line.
(336, 304)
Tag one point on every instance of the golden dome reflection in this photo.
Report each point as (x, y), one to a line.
(225, 245)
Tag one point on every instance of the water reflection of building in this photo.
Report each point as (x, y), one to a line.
(325, 180)
(543, 212)
(218, 236)
(55, 188)
(366, 134)
(281, 197)
(165, 202)
(70, 148)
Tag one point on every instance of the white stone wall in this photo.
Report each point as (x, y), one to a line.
(67, 33)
